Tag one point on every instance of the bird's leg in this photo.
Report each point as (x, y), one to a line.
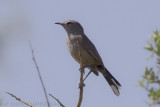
(90, 66)
(87, 76)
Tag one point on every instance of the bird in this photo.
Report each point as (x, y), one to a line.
(85, 52)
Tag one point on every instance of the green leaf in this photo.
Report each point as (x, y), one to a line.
(157, 43)
(158, 93)
(141, 83)
(152, 76)
(146, 71)
(150, 48)
(156, 33)
(156, 36)
(152, 92)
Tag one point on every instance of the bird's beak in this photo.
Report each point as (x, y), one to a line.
(59, 23)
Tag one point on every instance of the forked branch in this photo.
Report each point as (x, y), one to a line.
(18, 99)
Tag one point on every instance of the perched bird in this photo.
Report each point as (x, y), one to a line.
(85, 53)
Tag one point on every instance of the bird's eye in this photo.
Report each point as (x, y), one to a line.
(68, 23)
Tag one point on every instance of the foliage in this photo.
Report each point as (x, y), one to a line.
(151, 78)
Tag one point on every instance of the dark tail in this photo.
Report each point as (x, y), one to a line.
(115, 85)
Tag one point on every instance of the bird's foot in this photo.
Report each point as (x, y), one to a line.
(80, 69)
(81, 85)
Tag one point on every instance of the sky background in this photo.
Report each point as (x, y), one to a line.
(118, 28)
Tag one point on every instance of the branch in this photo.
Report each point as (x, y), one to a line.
(57, 100)
(18, 99)
(81, 87)
(39, 74)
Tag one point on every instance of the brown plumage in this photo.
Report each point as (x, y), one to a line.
(85, 53)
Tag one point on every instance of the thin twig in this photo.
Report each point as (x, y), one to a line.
(39, 74)
(18, 99)
(81, 87)
(57, 100)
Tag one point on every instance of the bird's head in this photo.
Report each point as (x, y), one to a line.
(72, 27)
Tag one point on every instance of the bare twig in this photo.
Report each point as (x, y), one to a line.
(18, 99)
(81, 87)
(39, 74)
(57, 100)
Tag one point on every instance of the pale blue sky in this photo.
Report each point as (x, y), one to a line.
(118, 28)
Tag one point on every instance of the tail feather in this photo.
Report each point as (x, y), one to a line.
(114, 84)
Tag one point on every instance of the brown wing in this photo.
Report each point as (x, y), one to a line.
(91, 49)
